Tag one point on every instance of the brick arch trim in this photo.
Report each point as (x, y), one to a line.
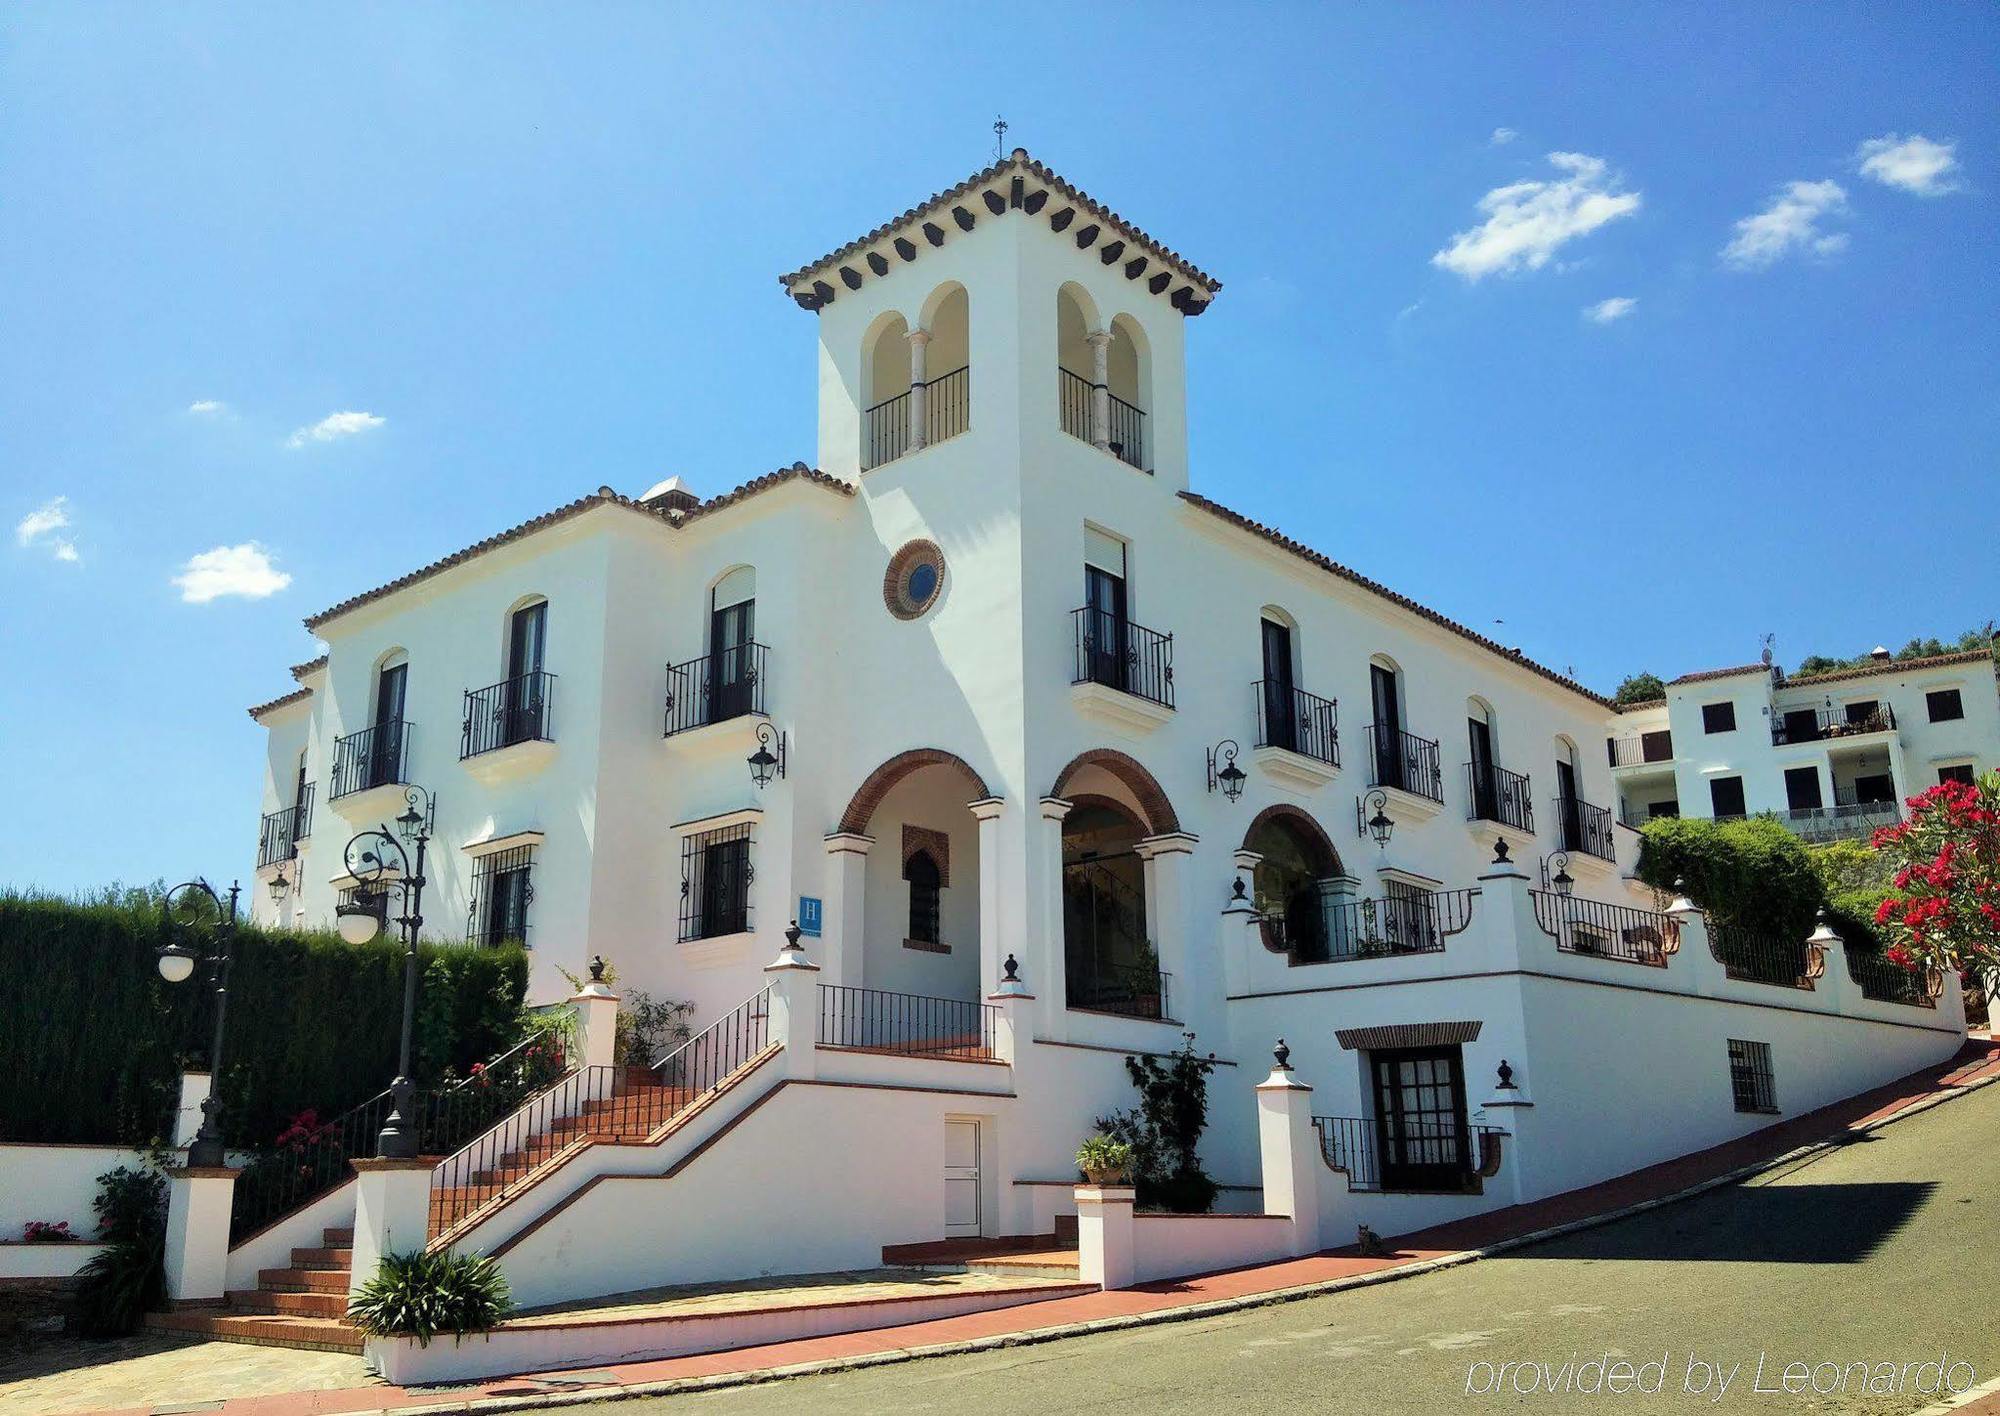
(1304, 823)
(1151, 796)
(883, 779)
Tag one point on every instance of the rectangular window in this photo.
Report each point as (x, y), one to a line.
(1750, 1076)
(1421, 1136)
(1718, 717)
(500, 895)
(1858, 713)
(1725, 795)
(715, 883)
(1944, 705)
(1802, 788)
(1657, 809)
(377, 902)
(1958, 772)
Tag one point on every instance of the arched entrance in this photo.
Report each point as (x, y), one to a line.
(1288, 883)
(1109, 962)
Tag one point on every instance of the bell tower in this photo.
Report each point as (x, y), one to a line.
(1011, 314)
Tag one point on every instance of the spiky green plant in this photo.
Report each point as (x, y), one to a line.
(423, 1294)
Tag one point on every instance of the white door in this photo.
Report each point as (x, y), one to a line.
(961, 1178)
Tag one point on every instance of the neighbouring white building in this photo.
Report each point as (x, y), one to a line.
(1026, 694)
(1831, 755)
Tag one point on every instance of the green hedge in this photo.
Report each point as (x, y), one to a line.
(1757, 874)
(94, 1039)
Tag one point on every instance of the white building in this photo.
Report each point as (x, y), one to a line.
(1831, 755)
(1008, 662)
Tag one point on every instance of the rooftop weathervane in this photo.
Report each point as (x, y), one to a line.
(999, 136)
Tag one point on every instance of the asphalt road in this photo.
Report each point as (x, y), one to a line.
(1883, 1251)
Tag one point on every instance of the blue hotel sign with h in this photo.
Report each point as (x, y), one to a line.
(810, 913)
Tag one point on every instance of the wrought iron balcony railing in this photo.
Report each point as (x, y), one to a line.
(1495, 794)
(1297, 721)
(1606, 931)
(947, 413)
(279, 836)
(1141, 991)
(1637, 749)
(1127, 433)
(515, 710)
(1585, 828)
(1122, 655)
(374, 757)
(1842, 820)
(1405, 762)
(1795, 725)
(1425, 1152)
(716, 687)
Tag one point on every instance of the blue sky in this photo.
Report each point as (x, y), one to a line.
(515, 252)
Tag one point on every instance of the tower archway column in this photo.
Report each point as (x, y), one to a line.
(843, 926)
(919, 395)
(1100, 388)
(1049, 978)
(1166, 859)
(988, 811)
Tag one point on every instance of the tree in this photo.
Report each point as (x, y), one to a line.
(1639, 688)
(1944, 908)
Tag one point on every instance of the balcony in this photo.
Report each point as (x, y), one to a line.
(1842, 821)
(1586, 829)
(1797, 725)
(279, 836)
(1123, 671)
(1403, 762)
(370, 770)
(1125, 428)
(1298, 734)
(1497, 795)
(509, 727)
(722, 691)
(1654, 749)
(1351, 930)
(888, 427)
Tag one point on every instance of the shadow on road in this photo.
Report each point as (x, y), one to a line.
(1771, 1224)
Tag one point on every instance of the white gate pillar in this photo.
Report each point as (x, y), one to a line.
(1046, 964)
(988, 810)
(843, 942)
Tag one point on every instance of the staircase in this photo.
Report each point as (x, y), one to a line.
(1052, 1255)
(304, 1305)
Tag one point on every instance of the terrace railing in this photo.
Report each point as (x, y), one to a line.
(1457, 1152)
(1137, 992)
(910, 1024)
(1386, 928)
(1764, 958)
(1886, 982)
(1606, 931)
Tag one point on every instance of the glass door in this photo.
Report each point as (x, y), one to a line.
(1485, 787)
(1420, 1118)
(385, 743)
(1280, 716)
(730, 684)
(1566, 806)
(1388, 727)
(1105, 632)
(522, 699)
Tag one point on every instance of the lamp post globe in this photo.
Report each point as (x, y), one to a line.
(357, 923)
(176, 964)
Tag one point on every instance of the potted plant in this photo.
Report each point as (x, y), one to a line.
(1105, 1160)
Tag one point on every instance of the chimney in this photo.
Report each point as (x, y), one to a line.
(671, 495)
(1880, 654)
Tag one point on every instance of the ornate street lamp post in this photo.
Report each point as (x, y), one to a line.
(177, 963)
(370, 858)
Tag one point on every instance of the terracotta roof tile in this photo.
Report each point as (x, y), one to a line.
(1640, 706)
(1017, 159)
(603, 496)
(284, 699)
(310, 666)
(1353, 577)
(1893, 666)
(1704, 674)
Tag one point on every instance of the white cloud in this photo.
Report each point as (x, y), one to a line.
(1605, 311)
(1790, 223)
(1503, 136)
(1528, 222)
(244, 570)
(1916, 164)
(65, 551)
(51, 515)
(335, 426)
(208, 407)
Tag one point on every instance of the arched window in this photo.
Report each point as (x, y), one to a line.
(885, 368)
(947, 355)
(1128, 372)
(926, 895)
(1076, 317)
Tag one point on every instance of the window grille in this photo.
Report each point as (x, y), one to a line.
(715, 883)
(501, 892)
(379, 898)
(1750, 1076)
(926, 898)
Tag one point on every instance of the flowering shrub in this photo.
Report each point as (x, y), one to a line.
(1943, 911)
(41, 1231)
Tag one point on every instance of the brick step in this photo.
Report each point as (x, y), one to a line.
(298, 1305)
(935, 1251)
(337, 1238)
(294, 1280)
(264, 1330)
(341, 1259)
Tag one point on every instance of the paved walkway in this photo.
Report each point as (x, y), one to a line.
(1184, 1297)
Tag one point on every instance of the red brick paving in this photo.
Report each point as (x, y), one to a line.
(1980, 1059)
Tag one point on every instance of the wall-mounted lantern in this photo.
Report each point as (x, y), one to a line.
(764, 764)
(1228, 775)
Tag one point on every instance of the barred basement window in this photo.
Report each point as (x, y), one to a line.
(500, 895)
(1750, 1076)
(715, 883)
